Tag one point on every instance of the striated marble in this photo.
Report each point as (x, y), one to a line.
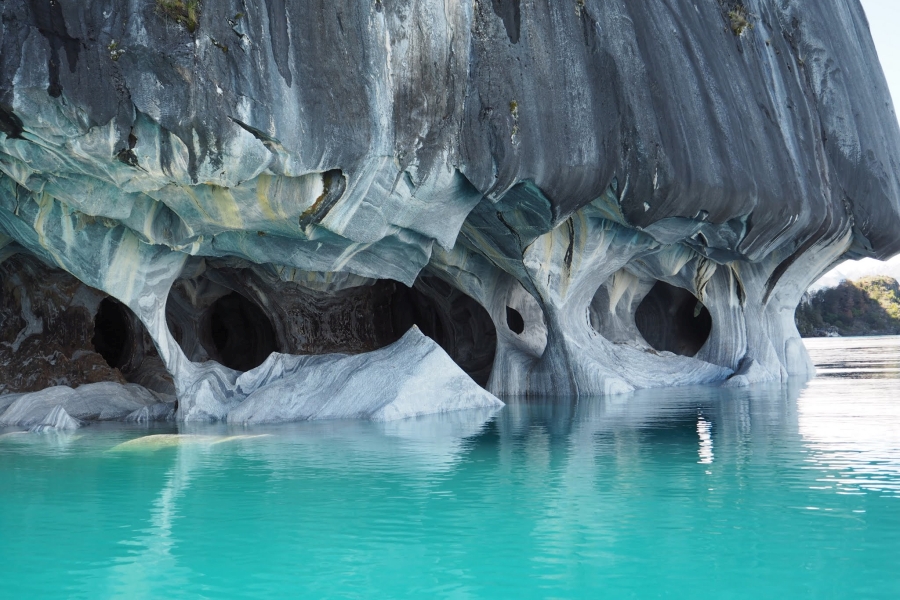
(585, 197)
(410, 378)
(90, 402)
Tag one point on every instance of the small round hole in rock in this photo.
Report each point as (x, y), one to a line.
(671, 319)
(239, 334)
(514, 320)
(113, 336)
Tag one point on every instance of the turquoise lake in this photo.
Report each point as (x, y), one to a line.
(768, 492)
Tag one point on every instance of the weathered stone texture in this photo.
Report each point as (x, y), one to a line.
(526, 181)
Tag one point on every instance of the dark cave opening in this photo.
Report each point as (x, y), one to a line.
(113, 334)
(461, 326)
(238, 334)
(219, 316)
(514, 320)
(671, 319)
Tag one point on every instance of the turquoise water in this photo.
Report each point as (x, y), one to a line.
(772, 492)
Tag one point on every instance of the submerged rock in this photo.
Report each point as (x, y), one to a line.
(568, 198)
(151, 443)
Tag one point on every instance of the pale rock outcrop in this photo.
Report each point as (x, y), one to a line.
(58, 420)
(92, 402)
(585, 197)
(412, 377)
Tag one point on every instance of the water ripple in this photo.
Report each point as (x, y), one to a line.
(769, 491)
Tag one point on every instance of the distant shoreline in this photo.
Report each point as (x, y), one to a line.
(867, 307)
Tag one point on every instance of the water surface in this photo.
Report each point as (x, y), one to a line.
(774, 491)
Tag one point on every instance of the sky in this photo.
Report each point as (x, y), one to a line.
(882, 15)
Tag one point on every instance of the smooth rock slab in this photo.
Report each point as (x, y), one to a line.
(749, 373)
(57, 420)
(92, 402)
(410, 378)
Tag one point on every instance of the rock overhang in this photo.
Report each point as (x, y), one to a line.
(556, 160)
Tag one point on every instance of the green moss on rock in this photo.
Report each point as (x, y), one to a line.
(185, 12)
(740, 20)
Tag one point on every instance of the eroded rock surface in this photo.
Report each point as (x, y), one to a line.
(62, 407)
(580, 197)
(46, 327)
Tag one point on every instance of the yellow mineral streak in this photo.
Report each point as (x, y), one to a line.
(45, 204)
(226, 207)
(263, 184)
(123, 273)
(622, 280)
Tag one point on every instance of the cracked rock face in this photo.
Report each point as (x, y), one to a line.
(253, 211)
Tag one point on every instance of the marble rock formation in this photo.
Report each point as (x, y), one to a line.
(250, 205)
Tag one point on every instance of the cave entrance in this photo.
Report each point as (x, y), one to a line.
(238, 334)
(671, 319)
(221, 318)
(113, 333)
(461, 326)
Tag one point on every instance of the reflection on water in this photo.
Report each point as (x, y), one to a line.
(704, 430)
(849, 418)
(771, 491)
(856, 358)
